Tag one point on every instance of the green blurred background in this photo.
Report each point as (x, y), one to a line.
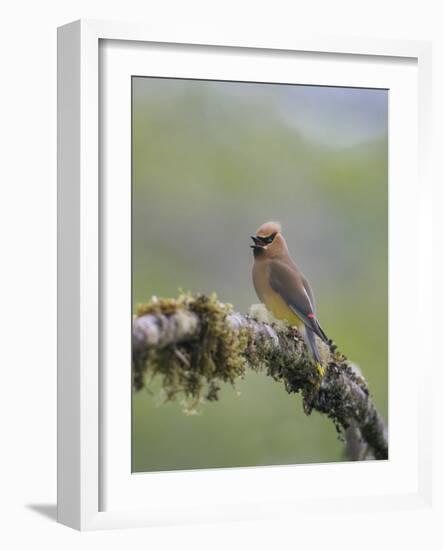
(211, 162)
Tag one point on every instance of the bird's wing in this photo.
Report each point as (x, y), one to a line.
(309, 292)
(289, 284)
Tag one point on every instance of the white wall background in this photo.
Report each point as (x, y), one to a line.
(28, 264)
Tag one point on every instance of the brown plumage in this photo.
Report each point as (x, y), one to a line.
(282, 287)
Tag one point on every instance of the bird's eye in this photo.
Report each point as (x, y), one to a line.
(268, 240)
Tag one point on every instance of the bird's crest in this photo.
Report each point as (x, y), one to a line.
(268, 228)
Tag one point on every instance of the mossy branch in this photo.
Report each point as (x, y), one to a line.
(197, 343)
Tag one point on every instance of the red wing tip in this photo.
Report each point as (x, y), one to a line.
(311, 315)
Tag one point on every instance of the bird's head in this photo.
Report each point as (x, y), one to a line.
(268, 240)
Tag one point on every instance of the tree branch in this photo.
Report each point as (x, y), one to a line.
(195, 343)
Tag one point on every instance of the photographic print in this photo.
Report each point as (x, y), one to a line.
(259, 274)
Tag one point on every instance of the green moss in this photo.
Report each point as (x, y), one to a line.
(167, 306)
(195, 370)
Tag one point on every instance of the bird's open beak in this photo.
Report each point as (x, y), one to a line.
(257, 242)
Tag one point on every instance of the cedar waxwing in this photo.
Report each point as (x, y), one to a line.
(282, 287)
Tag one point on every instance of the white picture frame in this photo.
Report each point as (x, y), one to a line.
(84, 445)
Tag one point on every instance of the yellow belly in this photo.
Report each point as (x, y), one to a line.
(280, 310)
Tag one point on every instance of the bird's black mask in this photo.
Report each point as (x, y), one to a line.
(260, 243)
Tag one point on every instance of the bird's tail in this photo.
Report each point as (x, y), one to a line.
(315, 326)
(312, 344)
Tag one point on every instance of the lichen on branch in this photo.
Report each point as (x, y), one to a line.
(194, 358)
(196, 343)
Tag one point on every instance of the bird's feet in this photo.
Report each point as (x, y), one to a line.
(321, 372)
(320, 369)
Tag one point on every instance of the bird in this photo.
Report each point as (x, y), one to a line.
(283, 289)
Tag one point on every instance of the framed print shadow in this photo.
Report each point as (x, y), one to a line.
(235, 222)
